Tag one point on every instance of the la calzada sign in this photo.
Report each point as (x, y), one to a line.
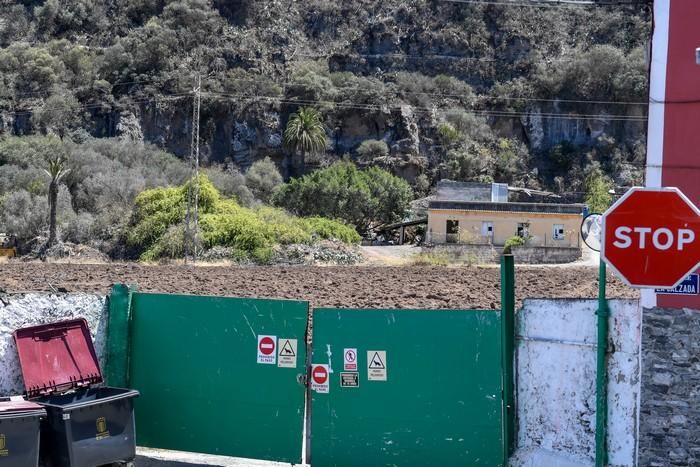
(651, 237)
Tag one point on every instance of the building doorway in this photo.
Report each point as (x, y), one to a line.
(452, 231)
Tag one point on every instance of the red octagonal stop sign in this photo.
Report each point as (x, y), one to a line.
(652, 237)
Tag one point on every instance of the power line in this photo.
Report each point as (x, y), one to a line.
(31, 110)
(381, 107)
(551, 3)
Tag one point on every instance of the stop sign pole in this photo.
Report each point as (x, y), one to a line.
(651, 237)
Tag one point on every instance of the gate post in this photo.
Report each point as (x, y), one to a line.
(601, 414)
(508, 352)
(118, 336)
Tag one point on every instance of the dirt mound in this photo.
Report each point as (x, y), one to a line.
(332, 286)
(63, 251)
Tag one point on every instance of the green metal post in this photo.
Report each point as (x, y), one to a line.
(601, 428)
(508, 353)
(117, 347)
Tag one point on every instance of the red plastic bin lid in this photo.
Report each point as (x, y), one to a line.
(18, 406)
(57, 357)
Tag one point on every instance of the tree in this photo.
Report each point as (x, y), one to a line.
(305, 133)
(341, 191)
(159, 213)
(262, 178)
(371, 150)
(598, 188)
(56, 170)
(59, 114)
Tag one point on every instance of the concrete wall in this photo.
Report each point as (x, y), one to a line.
(505, 226)
(556, 374)
(669, 431)
(22, 310)
(523, 255)
(465, 191)
(545, 255)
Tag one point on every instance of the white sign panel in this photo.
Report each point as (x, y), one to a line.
(320, 378)
(267, 346)
(287, 353)
(376, 365)
(350, 359)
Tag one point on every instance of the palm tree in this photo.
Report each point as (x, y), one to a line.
(56, 170)
(305, 132)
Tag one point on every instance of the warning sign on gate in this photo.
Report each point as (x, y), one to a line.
(287, 354)
(349, 379)
(350, 359)
(267, 346)
(376, 365)
(319, 378)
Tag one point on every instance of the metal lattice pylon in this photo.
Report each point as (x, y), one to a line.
(192, 215)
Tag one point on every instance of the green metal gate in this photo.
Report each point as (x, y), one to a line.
(208, 379)
(427, 388)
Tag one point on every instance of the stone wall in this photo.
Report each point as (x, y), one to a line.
(23, 310)
(522, 255)
(669, 431)
(545, 255)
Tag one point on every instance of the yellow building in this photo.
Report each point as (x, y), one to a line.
(480, 220)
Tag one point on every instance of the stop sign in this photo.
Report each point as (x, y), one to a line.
(652, 237)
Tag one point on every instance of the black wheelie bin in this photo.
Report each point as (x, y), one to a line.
(87, 424)
(19, 433)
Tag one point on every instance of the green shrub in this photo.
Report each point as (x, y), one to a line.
(371, 149)
(430, 258)
(341, 191)
(448, 134)
(170, 245)
(160, 213)
(263, 255)
(328, 230)
(598, 196)
(513, 242)
(262, 178)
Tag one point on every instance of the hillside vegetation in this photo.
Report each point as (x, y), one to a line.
(550, 97)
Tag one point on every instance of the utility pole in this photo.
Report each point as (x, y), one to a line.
(192, 216)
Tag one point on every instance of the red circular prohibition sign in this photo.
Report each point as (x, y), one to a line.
(320, 375)
(267, 346)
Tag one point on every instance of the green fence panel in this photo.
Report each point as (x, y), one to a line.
(116, 368)
(195, 361)
(428, 388)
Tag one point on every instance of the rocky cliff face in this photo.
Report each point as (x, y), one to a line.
(243, 137)
(387, 71)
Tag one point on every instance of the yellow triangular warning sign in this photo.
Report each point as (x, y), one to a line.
(376, 362)
(287, 349)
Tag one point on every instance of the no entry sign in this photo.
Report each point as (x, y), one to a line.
(319, 378)
(266, 349)
(652, 237)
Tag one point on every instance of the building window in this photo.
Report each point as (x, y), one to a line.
(487, 229)
(523, 229)
(452, 231)
(558, 231)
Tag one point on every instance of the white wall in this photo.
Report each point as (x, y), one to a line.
(556, 375)
(22, 310)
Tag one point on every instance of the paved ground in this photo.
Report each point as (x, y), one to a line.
(160, 458)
